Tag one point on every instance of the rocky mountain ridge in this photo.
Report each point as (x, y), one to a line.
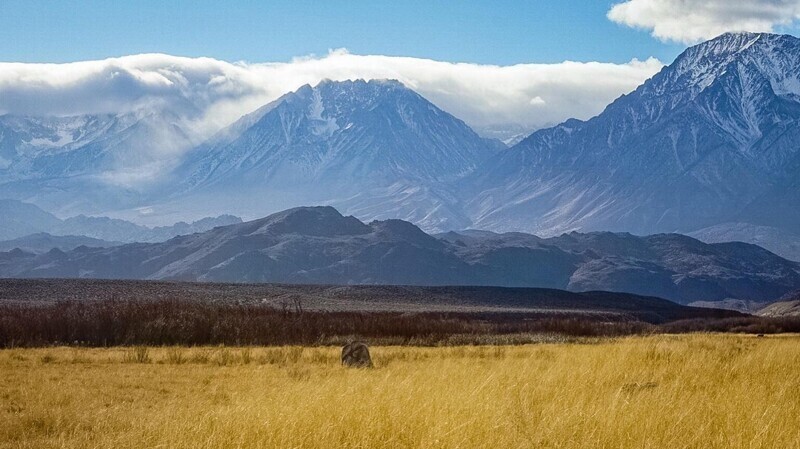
(318, 245)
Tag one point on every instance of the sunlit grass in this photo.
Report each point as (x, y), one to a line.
(698, 391)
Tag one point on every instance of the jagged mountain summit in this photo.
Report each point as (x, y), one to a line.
(711, 139)
(318, 245)
(375, 148)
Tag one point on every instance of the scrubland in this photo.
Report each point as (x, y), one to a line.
(194, 323)
(663, 391)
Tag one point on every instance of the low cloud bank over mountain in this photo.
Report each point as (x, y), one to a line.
(208, 94)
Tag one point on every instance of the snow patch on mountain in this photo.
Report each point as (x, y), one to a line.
(324, 126)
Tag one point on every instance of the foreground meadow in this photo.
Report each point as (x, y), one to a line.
(690, 391)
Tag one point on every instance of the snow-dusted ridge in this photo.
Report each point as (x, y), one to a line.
(708, 140)
(372, 147)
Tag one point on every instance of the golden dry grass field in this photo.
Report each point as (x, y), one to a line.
(690, 391)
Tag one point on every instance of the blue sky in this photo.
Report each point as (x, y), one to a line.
(486, 32)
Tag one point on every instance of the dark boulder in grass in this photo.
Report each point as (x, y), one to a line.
(356, 355)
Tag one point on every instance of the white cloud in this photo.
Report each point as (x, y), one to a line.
(537, 101)
(691, 21)
(211, 93)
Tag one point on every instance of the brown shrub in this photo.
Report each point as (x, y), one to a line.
(181, 322)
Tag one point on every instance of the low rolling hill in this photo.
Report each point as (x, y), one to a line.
(533, 302)
(318, 245)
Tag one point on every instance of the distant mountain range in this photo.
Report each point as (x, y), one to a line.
(317, 245)
(19, 220)
(42, 242)
(707, 147)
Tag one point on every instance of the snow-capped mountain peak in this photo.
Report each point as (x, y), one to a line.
(710, 138)
(773, 56)
(354, 143)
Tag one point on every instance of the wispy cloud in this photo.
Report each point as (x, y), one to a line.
(210, 93)
(691, 21)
